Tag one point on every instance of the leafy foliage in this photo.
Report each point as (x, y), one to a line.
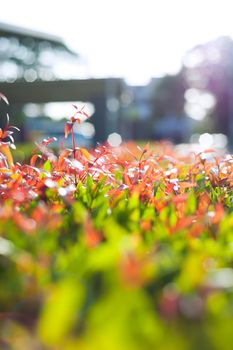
(116, 248)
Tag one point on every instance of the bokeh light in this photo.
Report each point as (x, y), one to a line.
(114, 139)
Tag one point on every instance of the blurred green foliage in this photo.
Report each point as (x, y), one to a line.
(109, 271)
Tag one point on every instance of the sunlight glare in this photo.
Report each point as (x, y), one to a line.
(133, 40)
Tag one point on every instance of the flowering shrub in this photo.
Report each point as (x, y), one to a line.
(115, 248)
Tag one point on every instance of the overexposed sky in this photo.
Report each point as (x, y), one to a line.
(127, 38)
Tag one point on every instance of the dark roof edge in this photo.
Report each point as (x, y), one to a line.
(21, 31)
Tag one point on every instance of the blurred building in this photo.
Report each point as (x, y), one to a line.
(40, 68)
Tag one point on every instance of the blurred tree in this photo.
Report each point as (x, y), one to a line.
(209, 68)
(29, 55)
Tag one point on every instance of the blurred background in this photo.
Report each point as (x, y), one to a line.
(146, 70)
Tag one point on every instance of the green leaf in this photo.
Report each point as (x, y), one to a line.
(191, 203)
(47, 166)
(59, 312)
